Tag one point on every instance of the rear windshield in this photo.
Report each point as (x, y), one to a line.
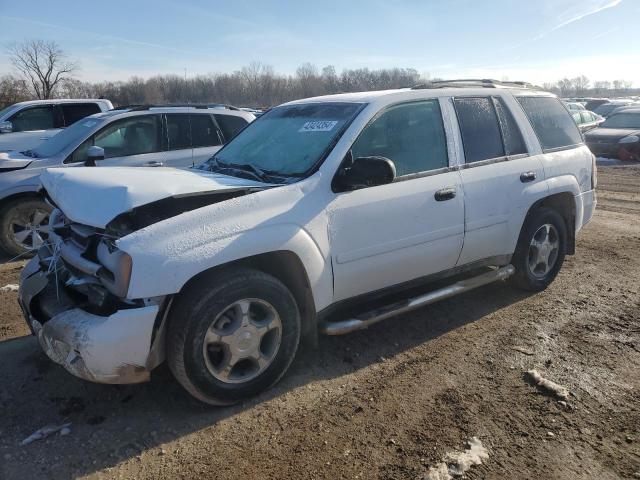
(622, 120)
(551, 121)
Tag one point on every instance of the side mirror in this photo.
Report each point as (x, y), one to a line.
(363, 172)
(6, 127)
(93, 155)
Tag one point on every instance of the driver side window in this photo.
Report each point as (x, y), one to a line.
(411, 135)
(129, 136)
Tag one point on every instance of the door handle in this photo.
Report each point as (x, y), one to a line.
(527, 177)
(445, 194)
(153, 163)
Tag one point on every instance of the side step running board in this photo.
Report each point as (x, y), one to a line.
(375, 316)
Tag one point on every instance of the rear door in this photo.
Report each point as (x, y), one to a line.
(497, 172)
(206, 137)
(177, 140)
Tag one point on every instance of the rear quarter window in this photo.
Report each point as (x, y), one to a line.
(552, 123)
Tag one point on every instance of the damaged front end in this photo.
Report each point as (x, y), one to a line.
(73, 295)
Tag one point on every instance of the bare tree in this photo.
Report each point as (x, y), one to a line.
(42, 64)
(581, 84)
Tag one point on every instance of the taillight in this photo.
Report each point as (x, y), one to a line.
(594, 172)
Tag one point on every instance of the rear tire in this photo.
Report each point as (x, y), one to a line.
(24, 226)
(540, 251)
(232, 335)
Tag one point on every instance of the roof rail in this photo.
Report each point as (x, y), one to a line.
(474, 82)
(138, 107)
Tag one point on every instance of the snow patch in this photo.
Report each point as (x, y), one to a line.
(551, 387)
(456, 464)
(12, 287)
(44, 432)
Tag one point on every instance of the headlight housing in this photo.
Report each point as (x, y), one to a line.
(115, 272)
(630, 139)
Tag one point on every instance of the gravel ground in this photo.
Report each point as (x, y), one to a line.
(389, 402)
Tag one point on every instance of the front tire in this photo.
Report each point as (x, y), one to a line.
(232, 335)
(24, 226)
(541, 249)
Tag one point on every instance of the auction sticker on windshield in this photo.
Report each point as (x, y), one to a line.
(318, 126)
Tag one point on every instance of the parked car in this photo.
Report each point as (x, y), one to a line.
(292, 228)
(618, 136)
(607, 109)
(142, 136)
(594, 103)
(25, 125)
(575, 107)
(587, 120)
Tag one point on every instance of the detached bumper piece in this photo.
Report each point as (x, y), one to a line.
(110, 348)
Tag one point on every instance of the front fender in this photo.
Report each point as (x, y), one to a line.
(18, 190)
(164, 268)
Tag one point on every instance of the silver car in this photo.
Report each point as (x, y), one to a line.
(142, 136)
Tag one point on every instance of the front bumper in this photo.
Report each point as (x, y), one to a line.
(106, 349)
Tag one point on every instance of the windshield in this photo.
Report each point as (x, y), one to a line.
(288, 140)
(71, 135)
(622, 120)
(607, 108)
(5, 111)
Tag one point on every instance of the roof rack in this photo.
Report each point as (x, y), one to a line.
(474, 82)
(138, 107)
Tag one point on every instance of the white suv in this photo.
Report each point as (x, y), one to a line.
(140, 136)
(25, 125)
(291, 229)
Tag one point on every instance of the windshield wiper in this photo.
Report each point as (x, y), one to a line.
(246, 167)
(30, 153)
(215, 164)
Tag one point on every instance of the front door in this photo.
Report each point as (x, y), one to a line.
(131, 142)
(389, 234)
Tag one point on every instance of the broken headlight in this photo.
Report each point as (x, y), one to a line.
(115, 273)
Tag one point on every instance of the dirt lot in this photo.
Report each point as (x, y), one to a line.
(388, 402)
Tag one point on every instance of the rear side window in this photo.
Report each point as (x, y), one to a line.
(74, 112)
(204, 132)
(34, 118)
(511, 134)
(479, 127)
(552, 123)
(230, 125)
(178, 136)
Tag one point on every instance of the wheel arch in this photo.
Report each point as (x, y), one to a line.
(288, 268)
(30, 194)
(563, 203)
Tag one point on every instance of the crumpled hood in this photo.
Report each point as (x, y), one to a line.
(609, 135)
(96, 195)
(13, 160)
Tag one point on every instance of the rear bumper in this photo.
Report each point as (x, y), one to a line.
(104, 349)
(586, 204)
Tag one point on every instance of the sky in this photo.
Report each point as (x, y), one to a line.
(537, 41)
